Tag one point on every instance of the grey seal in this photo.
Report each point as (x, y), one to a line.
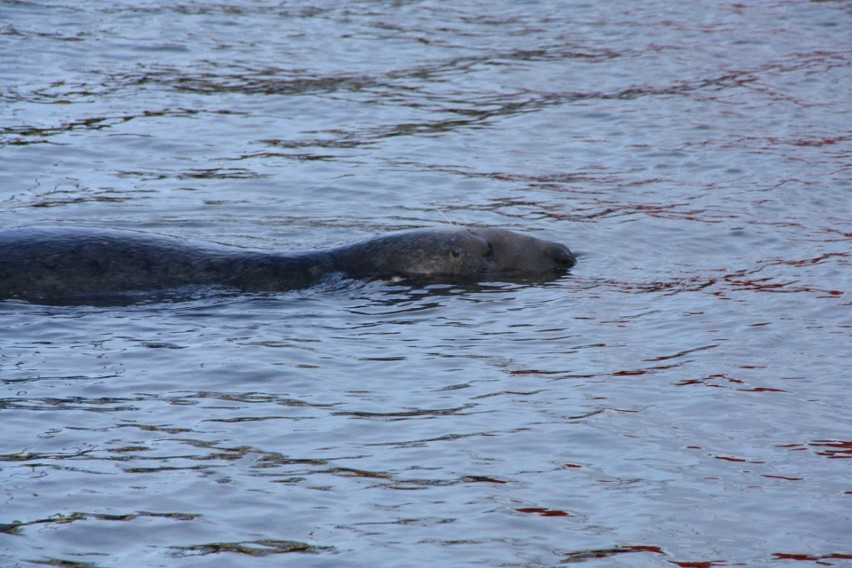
(38, 264)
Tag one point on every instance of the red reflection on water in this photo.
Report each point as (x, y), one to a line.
(793, 447)
(815, 260)
(628, 373)
(786, 478)
(544, 512)
(834, 449)
(820, 143)
(839, 232)
(644, 548)
(739, 460)
(838, 449)
(812, 558)
(606, 552)
(744, 280)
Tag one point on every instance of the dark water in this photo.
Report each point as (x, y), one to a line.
(682, 398)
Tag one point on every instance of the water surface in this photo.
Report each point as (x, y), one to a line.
(681, 398)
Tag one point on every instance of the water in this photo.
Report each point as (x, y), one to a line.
(681, 398)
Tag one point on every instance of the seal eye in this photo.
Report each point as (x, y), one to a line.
(489, 254)
(455, 253)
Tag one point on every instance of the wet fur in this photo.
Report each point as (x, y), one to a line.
(44, 263)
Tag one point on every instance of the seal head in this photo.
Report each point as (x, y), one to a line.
(466, 253)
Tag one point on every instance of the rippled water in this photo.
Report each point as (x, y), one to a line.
(681, 398)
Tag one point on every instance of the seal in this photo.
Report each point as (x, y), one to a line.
(41, 264)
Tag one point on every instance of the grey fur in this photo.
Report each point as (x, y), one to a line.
(62, 262)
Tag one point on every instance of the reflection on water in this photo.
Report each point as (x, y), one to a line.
(679, 398)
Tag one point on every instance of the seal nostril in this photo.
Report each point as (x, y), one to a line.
(564, 258)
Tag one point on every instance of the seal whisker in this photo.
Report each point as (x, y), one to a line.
(447, 219)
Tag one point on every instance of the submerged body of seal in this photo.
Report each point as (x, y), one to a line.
(38, 264)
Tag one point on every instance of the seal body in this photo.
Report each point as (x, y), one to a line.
(38, 264)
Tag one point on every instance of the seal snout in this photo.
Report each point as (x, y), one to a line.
(563, 257)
